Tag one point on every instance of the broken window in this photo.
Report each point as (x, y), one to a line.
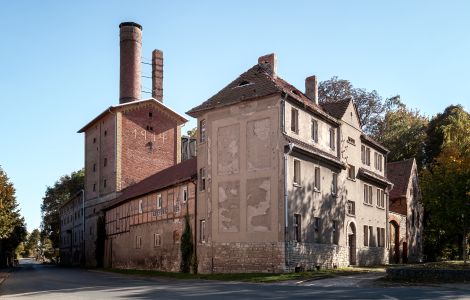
(294, 123)
(315, 131)
(202, 131)
(317, 179)
(332, 138)
(297, 171)
(202, 179)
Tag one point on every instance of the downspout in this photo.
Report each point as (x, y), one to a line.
(286, 216)
(195, 220)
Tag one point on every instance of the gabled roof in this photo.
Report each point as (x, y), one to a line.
(399, 173)
(255, 83)
(336, 109)
(114, 108)
(181, 172)
(368, 140)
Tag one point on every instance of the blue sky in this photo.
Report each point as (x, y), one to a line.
(60, 63)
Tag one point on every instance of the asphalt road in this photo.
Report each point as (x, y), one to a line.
(33, 281)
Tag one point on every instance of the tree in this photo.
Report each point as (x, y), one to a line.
(445, 183)
(63, 189)
(31, 246)
(402, 131)
(187, 246)
(12, 225)
(451, 126)
(369, 104)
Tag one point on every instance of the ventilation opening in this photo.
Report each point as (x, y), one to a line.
(244, 83)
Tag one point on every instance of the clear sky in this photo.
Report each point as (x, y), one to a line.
(60, 63)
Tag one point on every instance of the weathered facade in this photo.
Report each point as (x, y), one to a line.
(277, 176)
(406, 213)
(144, 225)
(71, 231)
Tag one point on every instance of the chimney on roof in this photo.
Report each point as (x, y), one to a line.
(157, 75)
(311, 88)
(270, 62)
(130, 36)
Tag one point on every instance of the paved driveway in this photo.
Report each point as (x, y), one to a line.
(48, 282)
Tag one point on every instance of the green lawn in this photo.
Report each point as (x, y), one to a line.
(251, 277)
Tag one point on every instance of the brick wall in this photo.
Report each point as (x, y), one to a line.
(148, 143)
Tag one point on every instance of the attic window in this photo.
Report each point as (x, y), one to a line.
(243, 83)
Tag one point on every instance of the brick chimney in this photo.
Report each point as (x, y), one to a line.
(157, 75)
(270, 62)
(311, 88)
(130, 35)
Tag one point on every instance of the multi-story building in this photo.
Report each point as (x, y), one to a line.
(406, 212)
(71, 230)
(284, 182)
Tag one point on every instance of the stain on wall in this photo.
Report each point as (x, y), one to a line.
(229, 206)
(228, 149)
(258, 144)
(258, 197)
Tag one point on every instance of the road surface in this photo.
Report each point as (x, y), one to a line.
(34, 281)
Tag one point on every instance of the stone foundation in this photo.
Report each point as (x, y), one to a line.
(311, 256)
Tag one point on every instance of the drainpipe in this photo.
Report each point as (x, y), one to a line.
(286, 220)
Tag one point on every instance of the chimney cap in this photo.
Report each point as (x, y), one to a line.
(133, 24)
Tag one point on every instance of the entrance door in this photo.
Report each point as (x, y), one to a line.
(352, 244)
(394, 242)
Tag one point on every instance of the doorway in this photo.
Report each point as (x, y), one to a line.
(352, 243)
(394, 242)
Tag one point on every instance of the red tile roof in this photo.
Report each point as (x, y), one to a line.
(178, 173)
(399, 174)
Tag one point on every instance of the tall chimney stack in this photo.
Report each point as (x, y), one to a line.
(311, 88)
(269, 61)
(157, 75)
(130, 35)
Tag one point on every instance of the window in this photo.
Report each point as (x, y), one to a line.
(315, 131)
(157, 240)
(368, 156)
(351, 172)
(334, 184)
(105, 161)
(202, 130)
(366, 235)
(94, 140)
(317, 179)
(94, 187)
(378, 161)
(351, 140)
(185, 194)
(202, 179)
(202, 229)
(297, 227)
(332, 138)
(380, 198)
(296, 171)
(94, 167)
(351, 208)
(317, 230)
(371, 237)
(141, 206)
(105, 133)
(294, 122)
(159, 201)
(104, 183)
(363, 154)
(150, 114)
(335, 232)
(138, 241)
(380, 237)
(367, 194)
